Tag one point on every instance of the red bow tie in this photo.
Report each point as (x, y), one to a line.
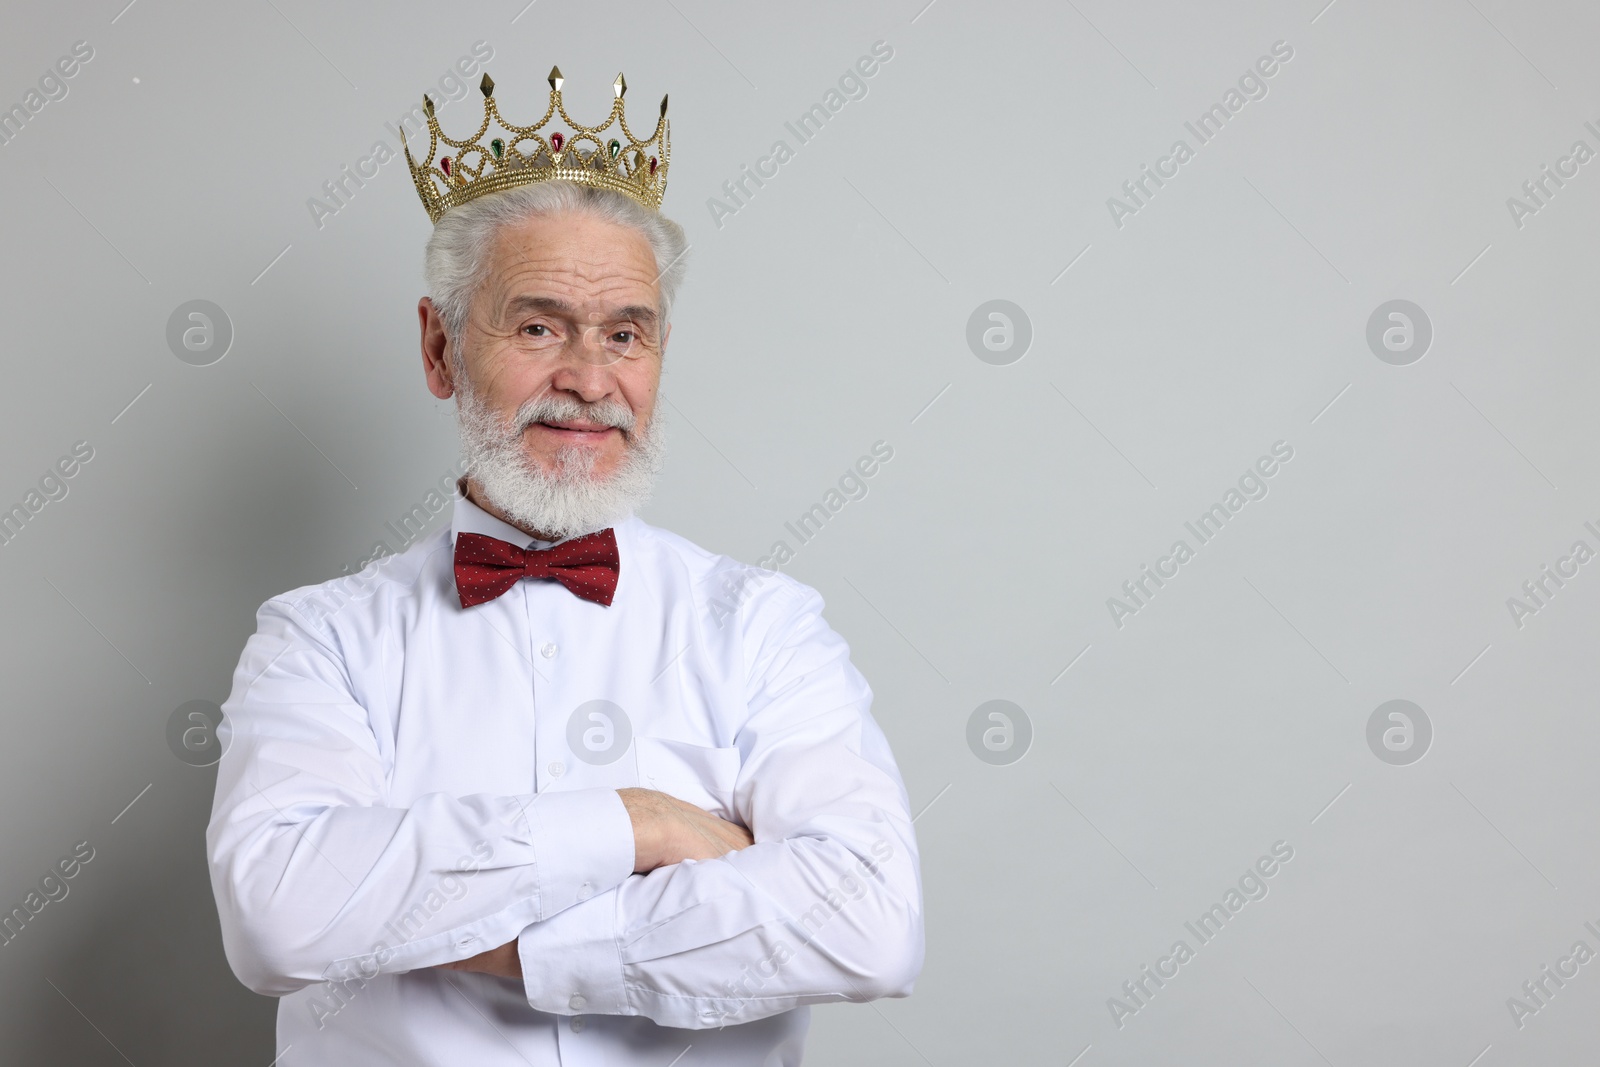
(488, 566)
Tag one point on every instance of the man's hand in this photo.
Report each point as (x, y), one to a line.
(667, 830)
(503, 962)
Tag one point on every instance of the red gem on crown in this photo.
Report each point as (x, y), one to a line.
(556, 141)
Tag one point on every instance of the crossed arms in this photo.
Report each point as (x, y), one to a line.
(647, 904)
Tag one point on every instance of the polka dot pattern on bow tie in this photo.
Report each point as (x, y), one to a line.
(487, 567)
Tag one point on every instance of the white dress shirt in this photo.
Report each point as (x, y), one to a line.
(407, 782)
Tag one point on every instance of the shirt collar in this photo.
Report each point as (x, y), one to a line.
(470, 518)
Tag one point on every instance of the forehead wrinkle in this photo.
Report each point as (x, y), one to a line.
(575, 261)
(522, 267)
(515, 290)
(606, 277)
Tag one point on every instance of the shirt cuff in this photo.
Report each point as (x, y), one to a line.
(582, 845)
(572, 964)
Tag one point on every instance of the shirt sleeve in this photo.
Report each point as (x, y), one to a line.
(317, 878)
(825, 906)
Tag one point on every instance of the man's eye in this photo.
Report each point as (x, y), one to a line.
(545, 330)
(623, 337)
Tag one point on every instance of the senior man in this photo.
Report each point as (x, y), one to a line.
(556, 786)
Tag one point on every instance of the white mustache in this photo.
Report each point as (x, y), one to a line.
(568, 500)
(551, 408)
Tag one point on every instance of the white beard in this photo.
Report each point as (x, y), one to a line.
(569, 501)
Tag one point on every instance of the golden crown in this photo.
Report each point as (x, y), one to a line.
(584, 155)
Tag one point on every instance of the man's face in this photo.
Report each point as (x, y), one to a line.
(555, 376)
(569, 309)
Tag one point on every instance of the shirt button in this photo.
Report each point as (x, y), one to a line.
(549, 650)
(577, 1025)
(557, 769)
(577, 1003)
(585, 891)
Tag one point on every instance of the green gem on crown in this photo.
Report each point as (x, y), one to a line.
(614, 147)
(498, 147)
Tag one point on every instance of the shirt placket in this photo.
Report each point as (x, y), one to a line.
(550, 768)
(544, 652)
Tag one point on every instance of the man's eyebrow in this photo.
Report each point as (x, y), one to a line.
(539, 303)
(643, 314)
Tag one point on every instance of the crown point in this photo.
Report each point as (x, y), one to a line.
(663, 105)
(555, 79)
(487, 85)
(620, 86)
(427, 104)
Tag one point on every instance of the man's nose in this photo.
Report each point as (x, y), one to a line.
(585, 370)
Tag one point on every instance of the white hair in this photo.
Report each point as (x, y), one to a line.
(567, 501)
(457, 256)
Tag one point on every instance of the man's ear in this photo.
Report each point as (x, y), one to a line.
(436, 364)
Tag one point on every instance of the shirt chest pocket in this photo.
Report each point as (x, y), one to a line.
(701, 775)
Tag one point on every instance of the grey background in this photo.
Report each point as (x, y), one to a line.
(828, 313)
